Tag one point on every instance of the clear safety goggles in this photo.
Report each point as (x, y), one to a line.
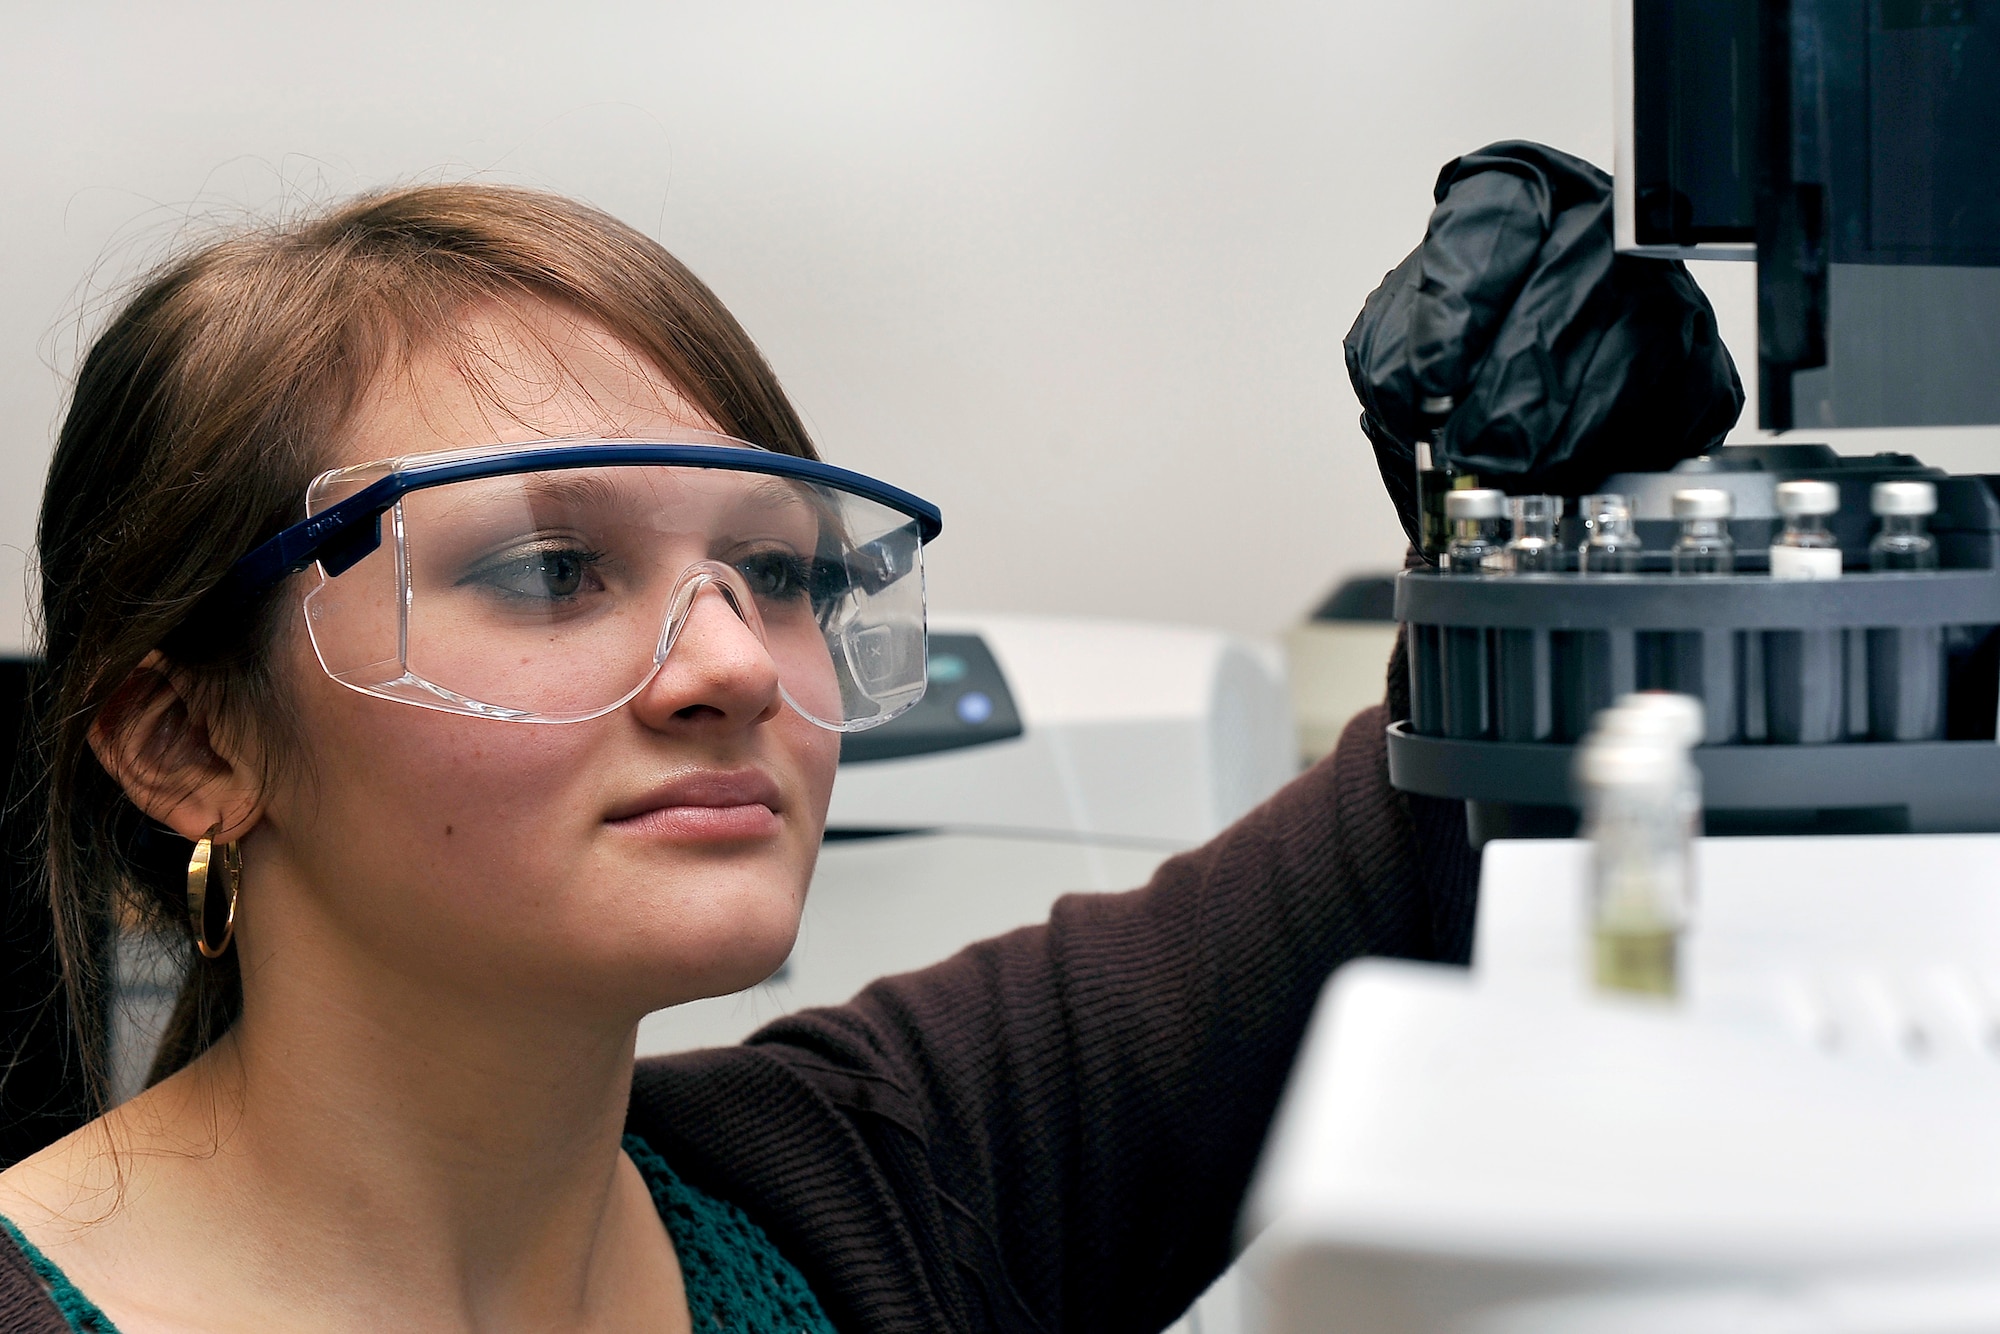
(548, 581)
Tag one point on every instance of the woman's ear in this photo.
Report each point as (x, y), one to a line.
(173, 758)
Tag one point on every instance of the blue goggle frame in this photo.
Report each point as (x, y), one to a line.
(341, 535)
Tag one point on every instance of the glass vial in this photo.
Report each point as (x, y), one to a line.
(1612, 544)
(1903, 542)
(1806, 549)
(1532, 549)
(1435, 478)
(1642, 799)
(1474, 515)
(1435, 481)
(1704, 545)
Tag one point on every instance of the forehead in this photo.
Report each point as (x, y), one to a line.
(527, 372)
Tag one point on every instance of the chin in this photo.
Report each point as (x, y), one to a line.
(729, 937)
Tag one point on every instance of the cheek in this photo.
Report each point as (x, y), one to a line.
(400, 794)
(479, 848)
(815, 753)
(447, 812)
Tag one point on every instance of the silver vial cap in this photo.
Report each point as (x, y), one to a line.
(1479, 502)
(1795, 498)
(1703, 503)
(1903, 498)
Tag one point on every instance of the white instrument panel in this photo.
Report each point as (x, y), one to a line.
(1805, 1142)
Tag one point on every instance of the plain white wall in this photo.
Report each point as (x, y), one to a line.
(1077, 270)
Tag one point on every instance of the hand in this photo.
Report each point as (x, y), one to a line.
(1526, 349)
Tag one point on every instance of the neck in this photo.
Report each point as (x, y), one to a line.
(447, 1154)
(495, 1114)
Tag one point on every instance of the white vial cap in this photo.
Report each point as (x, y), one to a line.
(1479, 502)
(1629, 762)
(1665, 714)
(1808, 498)
(1703, 503)
(1903, 498)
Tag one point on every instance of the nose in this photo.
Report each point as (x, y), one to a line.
(717, 674)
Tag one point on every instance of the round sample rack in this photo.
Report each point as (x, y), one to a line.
(1870, 693)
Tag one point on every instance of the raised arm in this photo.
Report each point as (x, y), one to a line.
(1073, 1110)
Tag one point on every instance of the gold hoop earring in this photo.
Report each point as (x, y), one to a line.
(222, 863)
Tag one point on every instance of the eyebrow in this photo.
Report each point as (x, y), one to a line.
(770, 496)
(780, 492)
(580, 485)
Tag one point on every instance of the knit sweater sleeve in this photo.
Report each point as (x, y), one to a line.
(1085, 1099)
(35, 1298)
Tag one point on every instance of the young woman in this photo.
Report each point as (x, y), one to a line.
(449, 636)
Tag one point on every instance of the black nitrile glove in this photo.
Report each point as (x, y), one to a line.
(1564, 361)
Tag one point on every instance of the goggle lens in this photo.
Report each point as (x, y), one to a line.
(555, 596)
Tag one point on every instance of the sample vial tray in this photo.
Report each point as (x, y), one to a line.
(1874, 690)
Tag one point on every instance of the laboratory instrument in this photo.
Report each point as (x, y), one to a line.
(1802, 1142)
(1864, 703)
(1851, 150)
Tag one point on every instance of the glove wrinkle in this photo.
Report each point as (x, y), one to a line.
(1480, 250)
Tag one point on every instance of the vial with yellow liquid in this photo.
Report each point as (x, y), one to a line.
(1642, 801)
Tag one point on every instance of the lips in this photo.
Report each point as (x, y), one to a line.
(705, 805)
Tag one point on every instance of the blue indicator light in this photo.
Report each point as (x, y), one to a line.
(973, 708)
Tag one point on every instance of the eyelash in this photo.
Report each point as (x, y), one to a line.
(799, 577)
(798, 571)
(493, 574)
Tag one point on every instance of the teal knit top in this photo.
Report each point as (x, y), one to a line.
(736, 1281)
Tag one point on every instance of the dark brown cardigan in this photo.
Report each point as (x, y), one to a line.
(1052, 1130)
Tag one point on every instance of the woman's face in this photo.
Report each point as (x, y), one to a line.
(600, 869)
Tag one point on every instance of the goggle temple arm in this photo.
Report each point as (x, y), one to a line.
(350, 547)
(339, 539)
(875, 566)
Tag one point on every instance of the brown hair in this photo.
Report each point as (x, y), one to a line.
(198, 418)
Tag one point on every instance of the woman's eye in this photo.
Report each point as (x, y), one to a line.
(554, 574)
(776, 576)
